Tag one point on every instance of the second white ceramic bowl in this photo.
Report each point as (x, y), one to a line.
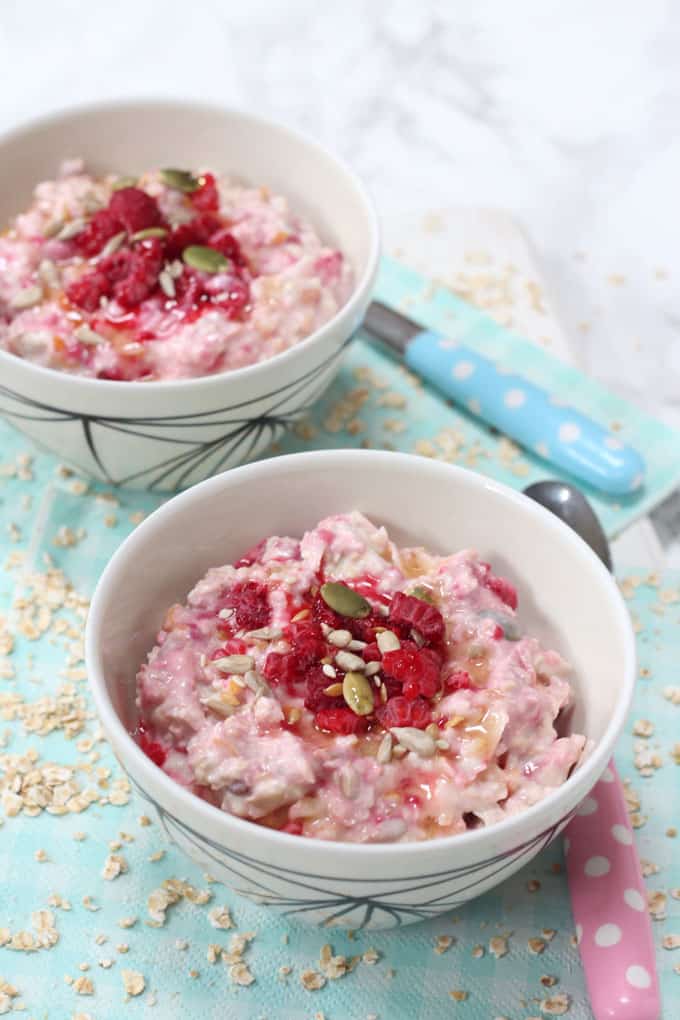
(167, 435)
(567, 599)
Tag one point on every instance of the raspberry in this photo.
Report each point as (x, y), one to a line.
(306, 642)
(134, 209)
(151, 748)
(206, 198)
(504, 589)
(225, 242)
(234, 298)
(324, 614)
(458, 681)
(371, 653)
(411, 613)
(86, 291)
(417, 668)
(234, 646)
(339, 720)
(197, 231)
(143, 267)
(401, 711)
(103, 226)
(281, 668)
(189, 290)
(250, 601)
(315, 699)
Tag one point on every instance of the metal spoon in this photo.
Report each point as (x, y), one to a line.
(571, 506)
(618, 959)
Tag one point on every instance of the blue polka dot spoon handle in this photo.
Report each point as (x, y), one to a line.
(532, 417)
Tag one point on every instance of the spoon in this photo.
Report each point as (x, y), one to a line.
(608, 895)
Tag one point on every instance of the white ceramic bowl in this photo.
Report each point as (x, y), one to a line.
(167, 435)
(567, 598)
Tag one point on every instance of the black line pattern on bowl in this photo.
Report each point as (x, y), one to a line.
(206, 456)
(387, 901)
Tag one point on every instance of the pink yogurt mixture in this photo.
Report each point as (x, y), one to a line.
(242, 699)
(97, 279)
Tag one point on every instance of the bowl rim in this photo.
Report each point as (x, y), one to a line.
(211, 817)
(172, 386)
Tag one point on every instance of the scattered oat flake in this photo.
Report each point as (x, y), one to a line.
(556, 1005)
(458, 995)
(133, 982)
(220, 917)
(371, 956)
(643, 728)
(442, 943)
(671, 942)
(83, 986)
(656, 902)
(312, 980)
(114, 865)
(536, 946)
(240, 974)
(498, 946)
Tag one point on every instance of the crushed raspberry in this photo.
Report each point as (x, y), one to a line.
(234, 298)
(339, 720)
(250, 601)
(87, 290)
(324, 614)
(460, 680)
(306, 641)
(401, 711)
(100, 229)
(498, 633)
(142, 277)
(225, 242)
(416, 668)
(206, 198)
(198, 230)
(134, 210)
(293, 826)
(281, 668)
(499, 586)
(371, 653)
(234, 646)
(253, 555)
(189, 291)
(409, 613)
(328, 267)
(315, 699)
(151, 748)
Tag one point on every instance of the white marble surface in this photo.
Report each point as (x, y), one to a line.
(563, 115)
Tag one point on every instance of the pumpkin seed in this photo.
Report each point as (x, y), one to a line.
(124, 182)
(142, 235)
(88, 336)
(415, 740)
(27, 297)
(70, 230)
(207, 259)
(235, 663)
(339, 638)
(333, 690)
(384, 752)
(422, 593)
(388, 641)
(350, 662)
(358, 693)
(344, 601)
(180, 180)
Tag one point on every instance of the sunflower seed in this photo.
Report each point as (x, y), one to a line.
(112, 245)
(208, 260)
(372, 668)
(349, 782)
(388, 641)
(70, 229)
(414, 740)
(53, 228)
(384, 752)
(179, 180)
(124, 182)
(358, 693)
(143, 235)
(234, 663)
(175, 268)
(257, 683)
(27, 297)
(399, 751)
(328, 670)
(357, 646)
(216, 704)
(88, 336)
(334, 690)
(350, 662)
(226, 614)
(167, 284)
(339, 638)
(344, 600)
(48, 273)
(264, 633)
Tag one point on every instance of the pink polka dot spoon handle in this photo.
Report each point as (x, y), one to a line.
(609, 904)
